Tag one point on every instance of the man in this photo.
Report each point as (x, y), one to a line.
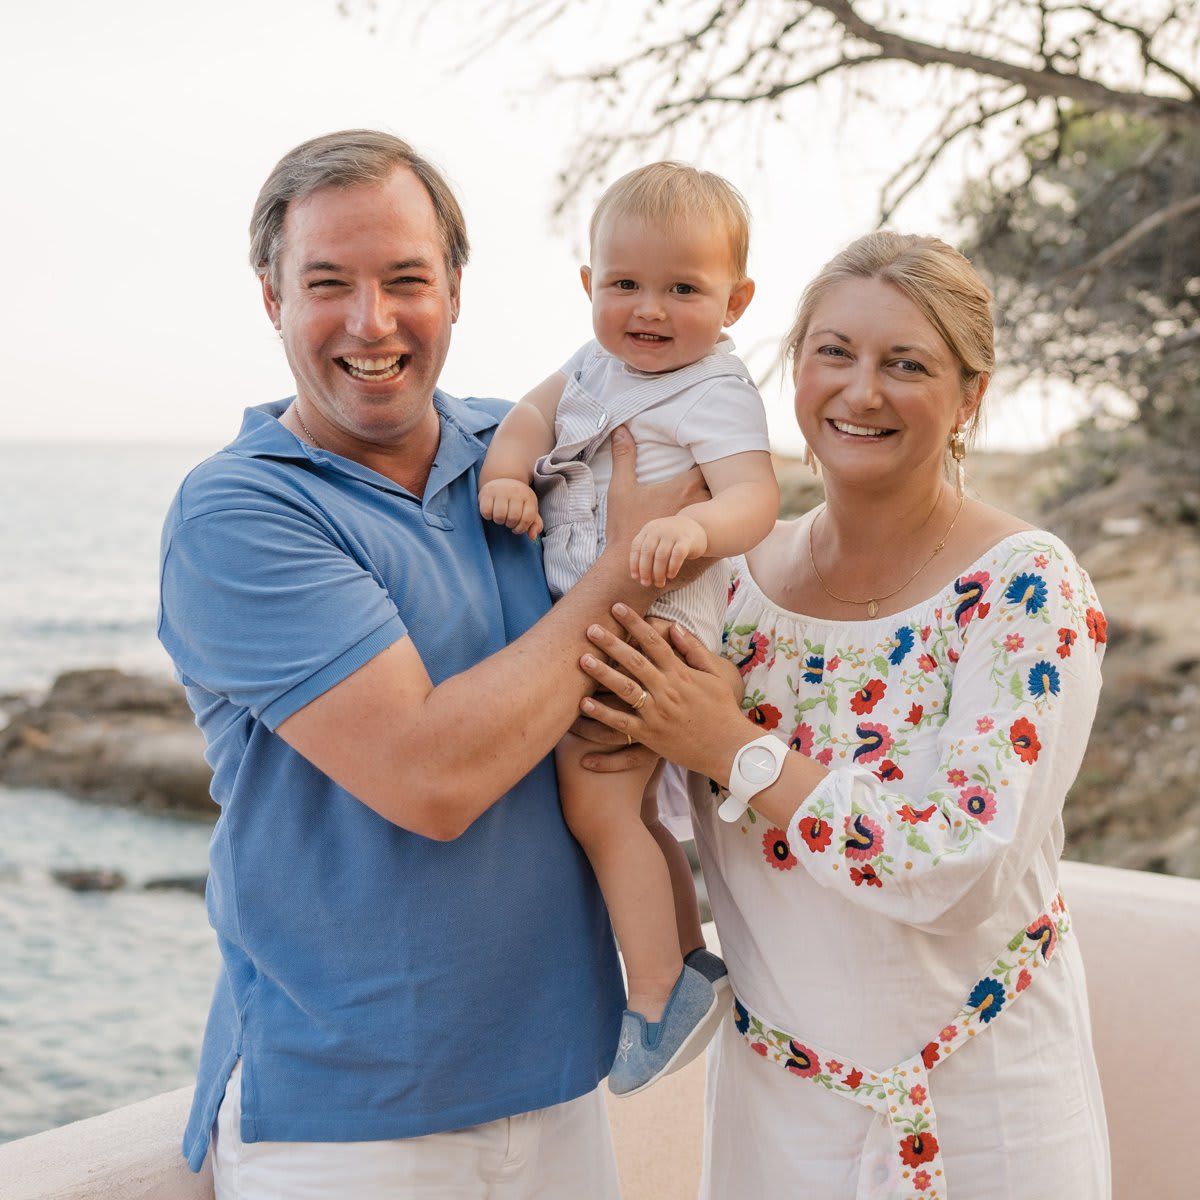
(412, 944)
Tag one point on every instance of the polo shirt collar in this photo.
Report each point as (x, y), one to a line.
(459, 448)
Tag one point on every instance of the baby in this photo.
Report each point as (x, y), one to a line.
(668, 273)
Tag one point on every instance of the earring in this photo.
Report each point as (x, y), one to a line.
(810, 461)
(958, 451)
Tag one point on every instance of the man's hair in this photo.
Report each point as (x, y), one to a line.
(669, 194)
(346, 159)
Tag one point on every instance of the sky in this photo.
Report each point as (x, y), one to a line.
(138, 134)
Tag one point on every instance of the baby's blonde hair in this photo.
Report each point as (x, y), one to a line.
(673, 193)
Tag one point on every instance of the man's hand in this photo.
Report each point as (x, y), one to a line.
(511, 503)
(632, 505)
(663, 546)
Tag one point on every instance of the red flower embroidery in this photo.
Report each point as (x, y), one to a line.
(816, 833)
(1097, 626)
(978, 802)
(927, 662)
(915, 714)
(867, 697)
(918, 1148)
(833, 664)
(956, 777)
(757, 647)
(952, 654)
(759, 1048)
(1023, 980)
(776, 850)
(916, 1094)
(802, 739)
(948, 1034)
(853, 1079)
(922, 1180)
(925, 631)
(825, 757)
(864, 838)
(984, 725)
(866, 875)
(915, 816)
(1013, 642)
(802, 1061)
(930, 1055)
(889, 771)
(1024, 739)
(1066, 639)
(766, 715)
(834, 1067)
(1041, 561)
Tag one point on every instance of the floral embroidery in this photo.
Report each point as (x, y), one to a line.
(971, 588)
(1029, 590)
(900, 1094)
(1023, 736)
(867, 696)
(877, 702)
(817, 834)
(776, 850)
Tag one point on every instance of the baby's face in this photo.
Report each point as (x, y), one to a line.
(661, 297)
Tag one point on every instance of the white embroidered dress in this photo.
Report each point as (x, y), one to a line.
(952, 732)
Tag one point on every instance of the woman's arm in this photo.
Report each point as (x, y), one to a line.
(1025, 691)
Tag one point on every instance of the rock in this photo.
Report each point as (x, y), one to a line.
(116, 738)
(90, 879)
(178, 883)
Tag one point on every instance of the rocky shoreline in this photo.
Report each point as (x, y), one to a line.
(106, 736)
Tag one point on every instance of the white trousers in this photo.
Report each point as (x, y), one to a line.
(563, 1152)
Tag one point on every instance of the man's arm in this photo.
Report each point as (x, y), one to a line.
(432, 759)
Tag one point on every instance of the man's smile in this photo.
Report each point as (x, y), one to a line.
(374, 370)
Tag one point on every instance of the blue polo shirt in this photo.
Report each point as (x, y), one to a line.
(375, 984)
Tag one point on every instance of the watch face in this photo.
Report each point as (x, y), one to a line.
(756, 764)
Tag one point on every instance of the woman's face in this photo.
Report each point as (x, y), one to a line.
(878, 391)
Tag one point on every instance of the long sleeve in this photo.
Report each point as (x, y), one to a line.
(1022, 648)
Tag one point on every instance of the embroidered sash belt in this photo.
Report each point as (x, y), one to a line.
(902, 1158)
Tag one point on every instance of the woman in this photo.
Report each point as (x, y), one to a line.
(930, 666)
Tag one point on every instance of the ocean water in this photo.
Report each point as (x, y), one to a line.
(102, 996)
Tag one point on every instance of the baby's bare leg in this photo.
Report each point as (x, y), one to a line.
(603, 812)
(683, 885)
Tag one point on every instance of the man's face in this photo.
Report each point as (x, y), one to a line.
(365, 303)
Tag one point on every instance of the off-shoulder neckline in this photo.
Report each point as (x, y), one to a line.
(902, 615)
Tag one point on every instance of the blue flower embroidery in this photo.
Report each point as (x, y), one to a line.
(1043, 679)
(1029, 590)
(814, 668)
(987, 998)
(903, 641)
(741, 1018)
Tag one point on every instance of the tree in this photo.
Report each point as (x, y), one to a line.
(1086, 208)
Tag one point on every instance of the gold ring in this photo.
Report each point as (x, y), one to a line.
(628, 740)
(641, 700)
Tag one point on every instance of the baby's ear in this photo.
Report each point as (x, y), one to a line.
(585, 277)
(739, 300)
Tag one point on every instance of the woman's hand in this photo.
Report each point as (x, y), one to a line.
(687, 715)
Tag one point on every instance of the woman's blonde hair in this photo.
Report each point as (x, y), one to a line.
(670, 194)
(934, 276)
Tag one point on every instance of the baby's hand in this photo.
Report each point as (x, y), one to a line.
(663, 546)
(511, 503)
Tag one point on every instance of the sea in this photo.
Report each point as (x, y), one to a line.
(102, 996)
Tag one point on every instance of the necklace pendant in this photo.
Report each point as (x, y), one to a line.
(872, 608)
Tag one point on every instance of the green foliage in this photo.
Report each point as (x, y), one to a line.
(1093, 247)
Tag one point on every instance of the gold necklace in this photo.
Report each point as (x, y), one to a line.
(873, 602)
(307, 431)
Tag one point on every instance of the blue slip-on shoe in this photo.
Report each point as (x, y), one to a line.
(711, 967)
(646, 1053)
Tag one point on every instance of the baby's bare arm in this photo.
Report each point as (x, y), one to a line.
(744, 504)
(525, 434)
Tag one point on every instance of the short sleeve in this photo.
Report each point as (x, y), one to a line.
(267, 610)
(727, 419)
(576, 361)
(1025, 689)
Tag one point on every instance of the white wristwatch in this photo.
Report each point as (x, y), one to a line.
(755, 766)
